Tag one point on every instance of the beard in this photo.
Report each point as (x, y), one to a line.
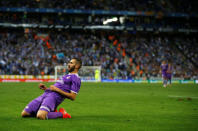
(70, 69)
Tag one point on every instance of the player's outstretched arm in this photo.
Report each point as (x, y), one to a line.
(70, 96)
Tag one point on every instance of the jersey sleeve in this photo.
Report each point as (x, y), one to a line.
(75, 87)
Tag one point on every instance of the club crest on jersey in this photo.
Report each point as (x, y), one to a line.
(68, 77)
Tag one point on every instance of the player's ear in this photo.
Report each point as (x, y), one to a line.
(77, 66)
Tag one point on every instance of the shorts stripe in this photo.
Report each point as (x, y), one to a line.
(44, 107)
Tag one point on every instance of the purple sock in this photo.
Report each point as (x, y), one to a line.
(54, 115)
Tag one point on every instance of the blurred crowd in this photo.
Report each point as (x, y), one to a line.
(184, 6)
(189, 47)
(121, 55)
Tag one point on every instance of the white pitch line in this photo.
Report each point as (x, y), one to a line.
(183, 97)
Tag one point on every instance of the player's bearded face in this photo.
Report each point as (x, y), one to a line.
(71, 66)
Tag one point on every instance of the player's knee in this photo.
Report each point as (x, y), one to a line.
(41, 115)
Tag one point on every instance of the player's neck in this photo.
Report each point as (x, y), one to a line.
(74, 72)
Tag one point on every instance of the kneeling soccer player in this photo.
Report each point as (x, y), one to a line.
(44, 106)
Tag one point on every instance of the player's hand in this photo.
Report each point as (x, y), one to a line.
(42, 86)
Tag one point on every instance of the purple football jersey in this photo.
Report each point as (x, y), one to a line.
(164, 68)
(68, 83)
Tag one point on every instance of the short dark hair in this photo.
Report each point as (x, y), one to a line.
(78, 62)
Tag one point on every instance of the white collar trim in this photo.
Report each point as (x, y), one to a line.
(74, 74)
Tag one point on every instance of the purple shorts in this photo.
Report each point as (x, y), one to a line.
(44, 102)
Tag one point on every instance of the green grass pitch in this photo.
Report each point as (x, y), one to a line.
(107, 107)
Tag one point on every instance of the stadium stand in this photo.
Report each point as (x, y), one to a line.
(132, 52)
(121, 56)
